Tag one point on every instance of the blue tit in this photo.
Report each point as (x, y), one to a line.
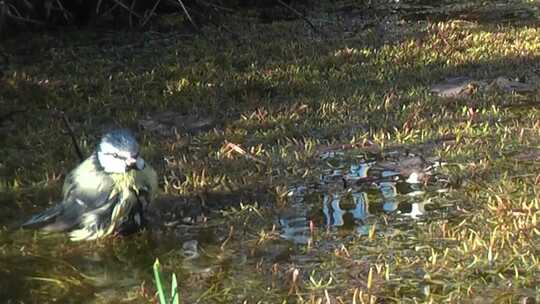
(105, 194)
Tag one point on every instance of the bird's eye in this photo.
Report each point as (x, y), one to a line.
(115, 155)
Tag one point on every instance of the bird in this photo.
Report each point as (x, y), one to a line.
(105, 194)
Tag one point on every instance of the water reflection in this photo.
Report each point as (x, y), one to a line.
(294, 223)
(359, 171)
(332, 210)
(366, 194)
(336, 208)
(417, 210)
(388, 193)
(360, 212)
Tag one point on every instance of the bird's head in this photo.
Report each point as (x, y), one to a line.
(118, 152)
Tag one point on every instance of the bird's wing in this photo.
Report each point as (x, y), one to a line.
(88, 184)
(86, 188)
(43, 218)
(96, 223)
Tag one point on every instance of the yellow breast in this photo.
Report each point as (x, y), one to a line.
(128, 186)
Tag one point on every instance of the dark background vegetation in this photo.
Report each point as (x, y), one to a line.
(19, 15)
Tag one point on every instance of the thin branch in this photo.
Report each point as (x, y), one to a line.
(299, 15)
(188, 15)
(11, 10)
(109, 11)
(150, 14)
(24, 19)
(128, 9)
(72, 135)
(64, 11)
(98, 5)
(131, 15)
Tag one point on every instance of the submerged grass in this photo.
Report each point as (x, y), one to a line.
(281, 94)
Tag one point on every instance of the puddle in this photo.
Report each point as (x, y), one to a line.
(354, 194)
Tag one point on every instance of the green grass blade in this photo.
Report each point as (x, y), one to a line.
(174, 290)
(159, 284)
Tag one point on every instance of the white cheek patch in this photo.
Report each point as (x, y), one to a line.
(111, 164)
(139, 163)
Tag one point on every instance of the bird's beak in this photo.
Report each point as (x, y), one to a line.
(135, 163)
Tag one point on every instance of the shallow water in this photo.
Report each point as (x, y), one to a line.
(353, 195)
(350, 200)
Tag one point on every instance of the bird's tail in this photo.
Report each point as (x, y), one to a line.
(44, 218)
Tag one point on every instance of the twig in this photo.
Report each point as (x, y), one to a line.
(13, 13)
(130, 15)
(127, 8)
(188, 15)
(98, 5)
(112, 8)
(299, 15)
(64, 11)
(150, 13)
(72, 135)
(236, 148)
